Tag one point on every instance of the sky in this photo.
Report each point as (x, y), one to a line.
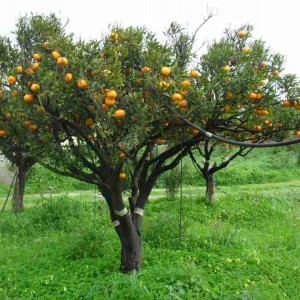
(275, 21)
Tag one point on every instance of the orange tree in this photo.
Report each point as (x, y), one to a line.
(17, 126)
(245, 98)
(103, 107)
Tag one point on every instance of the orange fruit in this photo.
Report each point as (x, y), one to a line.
(33, 127)
(120, 113)
(163, 86)
(252, 96)
(259, 96)
(82, 84)
(89, 122)
(55, 54)
(226, 68)
(109, 101)
(227, 108)
(229, 95)
(90, 137)
(114, 36)
(27, 123)
(2, 133)
(1, 93)
(11, 79)
(183, 93)
(242, 33)
(28, 98)
(14, 93)
(246, 50)
(185, 84)
(145, 69)
(122, 154)
(286, 103)
(122, 175)
(176, 97)
(37, 56)
(19, 69)
(159, 141)
(8, 115)
(29, 71)
(297, 132)
(111, 94)
(35, 87)
(195, 131)
(35, 66)
(166, 71)
(62, 61)
(45, 44)
(297, 106)
(68, 77)
(183, 103)
(275, 73)
(257, 127)
(194, 74)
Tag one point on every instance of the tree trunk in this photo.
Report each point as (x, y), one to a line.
(299, 155)
(210, 188)
(17, 201)
(131, 251)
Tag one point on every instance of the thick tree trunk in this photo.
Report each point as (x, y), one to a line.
(131, 243)
(17, 201)
(210, 189)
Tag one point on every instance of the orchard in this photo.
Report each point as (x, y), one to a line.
(120, 111)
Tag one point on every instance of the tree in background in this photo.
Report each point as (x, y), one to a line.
(102, 108)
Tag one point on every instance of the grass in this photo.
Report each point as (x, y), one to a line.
(246, 247)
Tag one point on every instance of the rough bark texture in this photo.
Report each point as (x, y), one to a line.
(17, 201)
(210, 189)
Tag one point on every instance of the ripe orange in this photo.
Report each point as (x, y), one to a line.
(163, 86)
(29, 71)
(226, 68)
(122, 154)
(145, 69)
(90, 137)
(297, 132)
(8, 115)
(27, 123)
(19, 69)
(252, 96)
(120, 113)
(183, 93)
(111, 94)
(194, 73)
(45, 44)
(166, 71)
(227, 107)
(275, 73)
(35, 87)
(114, 36)
(68, 77)
(176, 97)
(229, 95)
(11, 79)
(2, 133)
(28, 98)
(246, 50)
(258, 127)
(195, 131)
(286, 103)
(242, 33)
(89, 122)
(82, 84)
(259, 96)
(62, 61)
(35, 66)
(185, 84)
(183, 103)
(122, 175)
(297, 106)
(37, 56)
(33, 127)
(109, 101)
(159, 141)
(1, 93)
(55, 54)
(267, 122)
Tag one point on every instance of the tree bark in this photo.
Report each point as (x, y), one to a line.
(210, 188)
(17, 201)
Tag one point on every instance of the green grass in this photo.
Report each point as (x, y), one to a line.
(247, 247)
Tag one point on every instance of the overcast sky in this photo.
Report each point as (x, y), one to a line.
(275, 21)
